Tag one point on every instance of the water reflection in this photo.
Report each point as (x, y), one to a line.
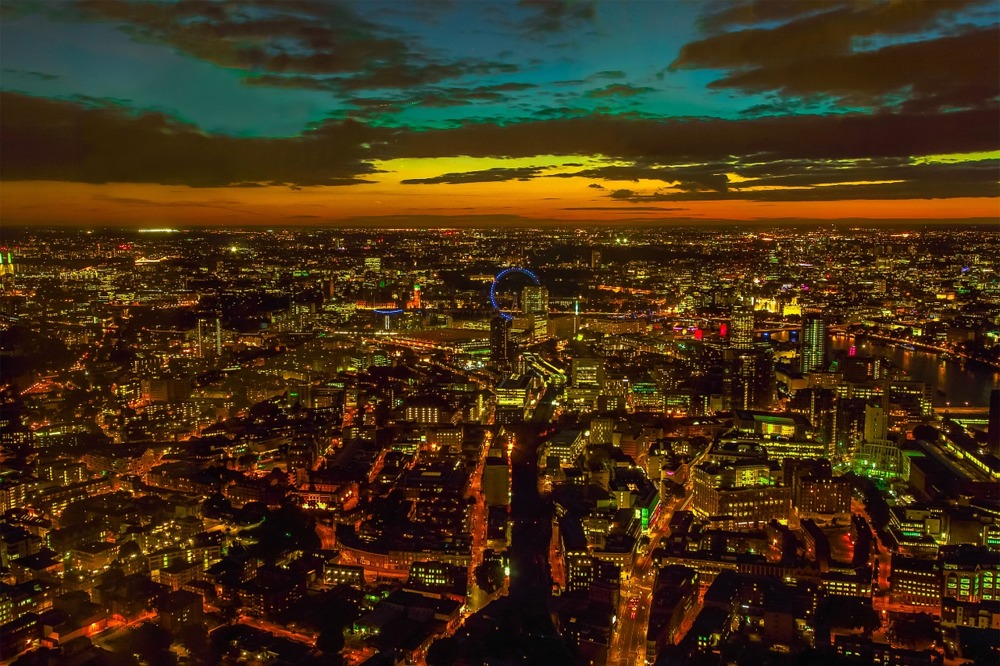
(952, 383)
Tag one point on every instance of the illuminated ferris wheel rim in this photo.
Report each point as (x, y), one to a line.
(500, 276)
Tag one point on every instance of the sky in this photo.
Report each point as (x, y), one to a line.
(291, 112)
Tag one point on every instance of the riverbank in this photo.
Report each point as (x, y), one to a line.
(953, 382)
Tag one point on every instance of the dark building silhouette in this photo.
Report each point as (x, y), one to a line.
(993, 434)
(500, 341)
(751, 377)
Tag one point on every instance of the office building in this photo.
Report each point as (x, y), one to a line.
(496, 482)
(741, 327)
(915, 581)
(500, 355)
(535, 300)
(535, 306)
(813, 342)
(587, 373)
(751, 377)
(602, 431)
(740, 492)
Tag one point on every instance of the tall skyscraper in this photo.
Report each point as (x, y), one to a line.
(595, 258)
(535, 300)
(813, 342)
(535, 304)
(209, 338)
(752, 378)
(500, 341)
(6, 263)
(741, 326)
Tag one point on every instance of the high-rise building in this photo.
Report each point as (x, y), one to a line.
(535, 305)
(813, 342)
(752, 378)
(876, 427)
(535, 300)
(209, 338)
(595, 258)
(587, 373)
(602, 431)
(741, 326)
(500, 341)
(496, 482)
(166, 389)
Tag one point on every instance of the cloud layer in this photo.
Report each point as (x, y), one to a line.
(56, 140)
(764, 101)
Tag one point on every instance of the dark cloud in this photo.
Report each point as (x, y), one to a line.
(848, 136)
(54, 140)
(828, 183)
(509, 87)
(818, 157)
(738, 14)
(495, 175)
(635, 197)
(777, 107)
(612, 74)
(390, 104)
(980, 175)
(560, 112)
(960, 71)
(288, 43)
(446, 97)
(832, 50)
(35, 75)
(377, 105)
(618, 90)
(816, 34)
(290, 81)
(903, 190)
(546, 16)
(413, 74)
(289, 36)
(689, 178)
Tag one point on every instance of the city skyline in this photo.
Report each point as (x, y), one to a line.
(498, 114)
(606, 446)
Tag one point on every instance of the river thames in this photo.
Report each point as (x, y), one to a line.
(959, 385)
